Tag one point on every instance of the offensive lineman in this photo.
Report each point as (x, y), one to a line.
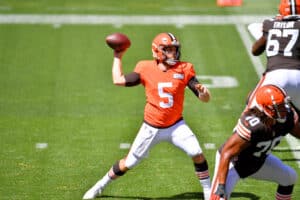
(165, 79)
(247, 153)
(281, 42)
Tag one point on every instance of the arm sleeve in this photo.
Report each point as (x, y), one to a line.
(191, 84)
(132, 79)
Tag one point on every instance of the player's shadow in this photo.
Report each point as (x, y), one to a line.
(182, 196)
(287, 150)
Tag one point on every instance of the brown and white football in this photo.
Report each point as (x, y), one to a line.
(118, 41)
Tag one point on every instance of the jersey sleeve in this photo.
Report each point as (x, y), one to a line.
(140, 69)
(190, 73)
(243, 130)
(250, 127)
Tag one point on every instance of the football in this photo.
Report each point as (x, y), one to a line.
(118, 41)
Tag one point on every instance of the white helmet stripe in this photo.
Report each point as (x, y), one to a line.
(293, 7)
(172, 37)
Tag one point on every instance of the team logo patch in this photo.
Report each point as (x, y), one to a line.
(178, 76)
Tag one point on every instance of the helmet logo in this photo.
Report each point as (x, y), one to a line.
(293, 7)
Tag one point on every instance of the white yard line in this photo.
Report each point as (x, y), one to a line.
(126, 19)
(258, 66)
(177, 20)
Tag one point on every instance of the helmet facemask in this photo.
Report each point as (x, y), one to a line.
(276, 110)
(170, 61)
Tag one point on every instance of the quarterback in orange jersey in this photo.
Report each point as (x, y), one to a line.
(165, 79)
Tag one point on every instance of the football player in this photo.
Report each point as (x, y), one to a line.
(280, 41)
(247, 152)
(164, 79)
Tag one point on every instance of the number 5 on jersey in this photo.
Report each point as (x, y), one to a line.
(164, 94)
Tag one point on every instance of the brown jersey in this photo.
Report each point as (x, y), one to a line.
(283, 43)
(262, 139)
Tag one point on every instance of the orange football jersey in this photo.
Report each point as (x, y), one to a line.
(164, 91)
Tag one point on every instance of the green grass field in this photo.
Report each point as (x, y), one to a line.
(56, 90)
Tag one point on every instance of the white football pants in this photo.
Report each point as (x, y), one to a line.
(179, 135)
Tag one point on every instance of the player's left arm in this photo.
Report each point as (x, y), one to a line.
(199, 89)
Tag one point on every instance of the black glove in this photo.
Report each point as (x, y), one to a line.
(220, 193)
(221, 190)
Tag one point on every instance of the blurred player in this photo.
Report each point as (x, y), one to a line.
(165, 79)
(281, 42)
(247, 153)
